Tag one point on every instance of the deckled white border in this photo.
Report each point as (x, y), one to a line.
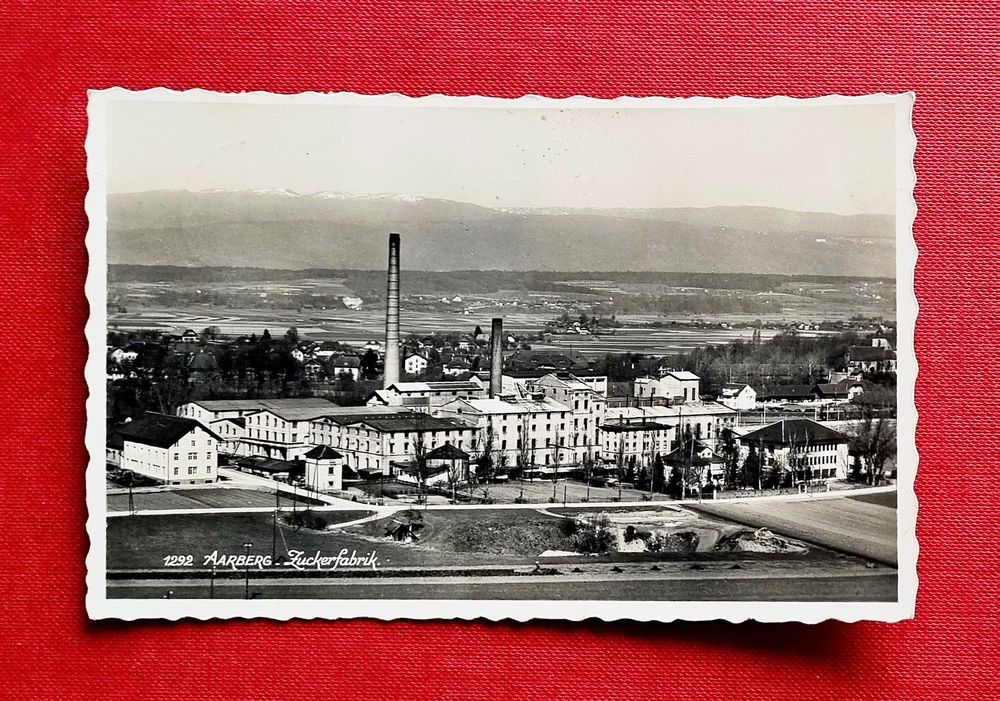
(99, 606)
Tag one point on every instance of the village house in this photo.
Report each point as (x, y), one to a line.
(875, 358)
(673, 385)
(697, 460)
(345, 365)
(170, 449)
(415, 365)
(445, 465)
(738, 396)
(456, 367)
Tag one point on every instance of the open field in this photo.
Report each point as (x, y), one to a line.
(221, 498)
(860, 524)
(358, 327)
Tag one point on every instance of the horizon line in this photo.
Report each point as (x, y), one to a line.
(405, 197)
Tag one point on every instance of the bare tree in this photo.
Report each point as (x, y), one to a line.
(874, 440)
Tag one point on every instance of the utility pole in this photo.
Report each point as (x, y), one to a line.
(274, 524)
(246, 569)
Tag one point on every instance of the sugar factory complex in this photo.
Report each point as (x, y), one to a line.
(449, 437)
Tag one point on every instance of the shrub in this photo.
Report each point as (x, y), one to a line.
(595, 536)
(568, 526)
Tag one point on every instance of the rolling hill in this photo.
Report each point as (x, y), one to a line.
(283, 229)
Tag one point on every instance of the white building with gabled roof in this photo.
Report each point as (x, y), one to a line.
(673, 385)
(424, 396)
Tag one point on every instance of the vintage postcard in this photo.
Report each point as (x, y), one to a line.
(377, 356)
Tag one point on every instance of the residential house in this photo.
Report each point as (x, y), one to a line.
(456, 367)
(738, 396)
(415, 365)
(345, 365)
(696, 458)
(673, 385)
(870, 359)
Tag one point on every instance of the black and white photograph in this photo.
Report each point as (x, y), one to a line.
(439, 357)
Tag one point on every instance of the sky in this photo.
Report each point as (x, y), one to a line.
(837, 159)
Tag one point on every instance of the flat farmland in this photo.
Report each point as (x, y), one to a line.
(194, 499)
(863, 526)
(359, 326)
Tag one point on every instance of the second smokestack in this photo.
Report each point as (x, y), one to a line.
(391, 373)
(496, 358)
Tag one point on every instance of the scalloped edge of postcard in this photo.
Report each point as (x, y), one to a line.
(99, 607)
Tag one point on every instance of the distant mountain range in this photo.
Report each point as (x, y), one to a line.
(284, 229)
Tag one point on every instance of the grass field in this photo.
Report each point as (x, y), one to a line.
(221, 498)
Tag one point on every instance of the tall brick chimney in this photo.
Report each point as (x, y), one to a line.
(496, 358)
(391, 373)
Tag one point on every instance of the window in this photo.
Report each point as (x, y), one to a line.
(192, 469)
(208, 456)
(176, 470)
(177, 456)
(330, 470)
(192, 456)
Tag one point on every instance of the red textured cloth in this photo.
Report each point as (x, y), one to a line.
(50, 53)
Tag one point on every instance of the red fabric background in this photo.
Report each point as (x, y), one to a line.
(946, 52)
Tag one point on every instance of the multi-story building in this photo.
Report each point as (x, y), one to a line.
(207, 411)
(536, 429)
(636, 435)
(588, 407)
(372, 444)
(168, 448)
(281, 431)
(705, 420)
(796, 444)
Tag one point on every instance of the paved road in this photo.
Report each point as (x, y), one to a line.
(875, 585)
(849, 525)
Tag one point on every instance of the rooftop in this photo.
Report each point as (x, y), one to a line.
(798, 431)
(395, 423)
(159, 430)
(323, 452)
(447, 452)
(256, 404)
